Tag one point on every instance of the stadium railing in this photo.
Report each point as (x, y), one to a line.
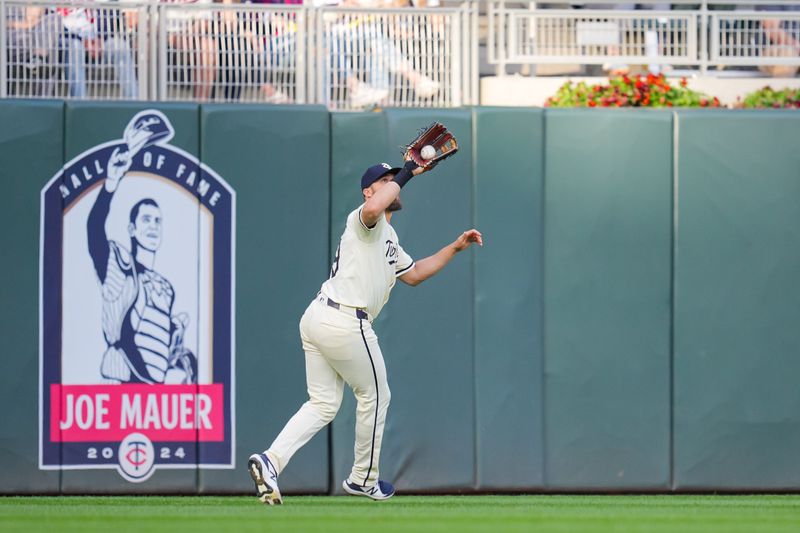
(398, 57)
(690, 33)
(74, 49)
(355, 58)
(346, 58)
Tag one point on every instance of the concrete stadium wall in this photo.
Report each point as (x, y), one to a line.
(628, 325)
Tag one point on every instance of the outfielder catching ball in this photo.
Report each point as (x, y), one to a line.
(336, 328)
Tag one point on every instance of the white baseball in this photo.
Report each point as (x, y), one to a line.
(427, 152)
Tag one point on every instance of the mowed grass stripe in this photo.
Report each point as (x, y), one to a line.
(540, 513)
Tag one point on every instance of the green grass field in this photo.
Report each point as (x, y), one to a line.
(706, 514)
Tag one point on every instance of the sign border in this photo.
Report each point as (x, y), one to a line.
(203, 168)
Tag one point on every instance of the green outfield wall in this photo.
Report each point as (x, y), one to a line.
(629, 325)
(607, 233)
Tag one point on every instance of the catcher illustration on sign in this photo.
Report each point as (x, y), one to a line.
(433, 144)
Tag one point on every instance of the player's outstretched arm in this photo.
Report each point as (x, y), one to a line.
(428, 267)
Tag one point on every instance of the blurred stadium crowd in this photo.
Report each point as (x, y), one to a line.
(214, 48)
(260, 50)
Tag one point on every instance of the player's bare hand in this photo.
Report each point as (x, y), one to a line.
(467, 239)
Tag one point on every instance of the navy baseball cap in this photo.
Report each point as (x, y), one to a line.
(376, 172)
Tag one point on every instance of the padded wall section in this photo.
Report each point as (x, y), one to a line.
(87, 125)
(358, 141)
(425, 332)
(544, 360)
(31, 148)
(277, 160)
(509, 187)
(608, 206)
(737, 301)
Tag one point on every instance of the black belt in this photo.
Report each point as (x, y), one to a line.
(360, 313)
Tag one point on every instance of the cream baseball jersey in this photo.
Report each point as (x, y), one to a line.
(367, 264)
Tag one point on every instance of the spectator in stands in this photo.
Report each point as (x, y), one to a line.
(189, 36)
(32, 37)
(102, 34)
(115, 29)
(228, 28)
(364, 56)
(79, 28)
(250, 50)
(272, 37)
(782, 40)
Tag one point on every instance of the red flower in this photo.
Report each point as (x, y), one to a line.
(634, 91)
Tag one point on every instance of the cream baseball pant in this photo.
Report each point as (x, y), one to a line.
(340, 348)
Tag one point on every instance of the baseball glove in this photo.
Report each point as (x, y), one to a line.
(436, 136)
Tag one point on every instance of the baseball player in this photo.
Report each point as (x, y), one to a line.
(339, 342)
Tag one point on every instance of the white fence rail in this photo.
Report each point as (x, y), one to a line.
(550, 36)
(231, 53)
(731, 33)
(396, 58)
(752, 38)
(354, 58)
(74, 50)
(345, 58)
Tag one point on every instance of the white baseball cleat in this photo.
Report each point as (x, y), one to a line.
(266, 479)
(382, 490)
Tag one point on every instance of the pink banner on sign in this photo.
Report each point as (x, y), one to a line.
(107, 413)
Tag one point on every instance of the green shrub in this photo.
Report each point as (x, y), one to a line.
(770, 98)
(631, 91)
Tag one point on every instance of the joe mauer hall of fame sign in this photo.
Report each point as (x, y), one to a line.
(136, 309)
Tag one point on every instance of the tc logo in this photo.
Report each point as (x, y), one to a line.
(136, 457)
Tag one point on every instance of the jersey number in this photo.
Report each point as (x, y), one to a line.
(335, 265)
